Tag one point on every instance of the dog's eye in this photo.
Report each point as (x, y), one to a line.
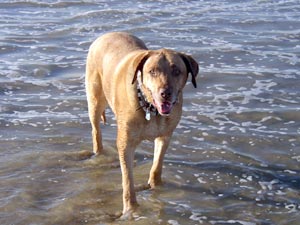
(152, 72)
(175, 70)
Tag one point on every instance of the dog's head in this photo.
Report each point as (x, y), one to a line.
(163, 76)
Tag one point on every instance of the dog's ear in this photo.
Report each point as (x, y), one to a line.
(138, 64)
(191, 66)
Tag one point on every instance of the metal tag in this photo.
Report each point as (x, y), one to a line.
(148, 114)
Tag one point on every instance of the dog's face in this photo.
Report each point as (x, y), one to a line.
(164, 74)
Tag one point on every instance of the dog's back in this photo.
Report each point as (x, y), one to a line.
(112, 48)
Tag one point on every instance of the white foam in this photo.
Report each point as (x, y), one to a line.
(197, 217)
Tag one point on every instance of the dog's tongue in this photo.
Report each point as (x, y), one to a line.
(165, 108)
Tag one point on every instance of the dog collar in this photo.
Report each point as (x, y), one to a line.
(144, 104)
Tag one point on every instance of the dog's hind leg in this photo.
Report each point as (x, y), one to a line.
(96, 106)
(103, 117)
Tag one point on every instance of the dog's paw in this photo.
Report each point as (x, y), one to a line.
(127, 216)
(154, 183)
(130, 215)
(131, 212)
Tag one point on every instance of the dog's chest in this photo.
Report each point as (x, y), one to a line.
(159, 126)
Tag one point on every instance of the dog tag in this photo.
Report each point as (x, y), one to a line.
(148, 115)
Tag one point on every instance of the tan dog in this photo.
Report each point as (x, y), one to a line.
(144, 89)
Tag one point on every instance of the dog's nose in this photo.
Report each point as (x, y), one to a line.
(166, 93)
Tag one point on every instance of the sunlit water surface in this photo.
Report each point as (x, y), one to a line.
(234, 157)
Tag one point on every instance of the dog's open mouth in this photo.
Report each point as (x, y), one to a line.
(164, 108)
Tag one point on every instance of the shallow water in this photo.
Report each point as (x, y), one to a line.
(234, 157)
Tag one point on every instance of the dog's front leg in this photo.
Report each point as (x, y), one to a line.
(126, 147)
(160, 148)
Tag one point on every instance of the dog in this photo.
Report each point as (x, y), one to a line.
(144, 90)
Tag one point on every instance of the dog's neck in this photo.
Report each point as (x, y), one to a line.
(144, 102)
